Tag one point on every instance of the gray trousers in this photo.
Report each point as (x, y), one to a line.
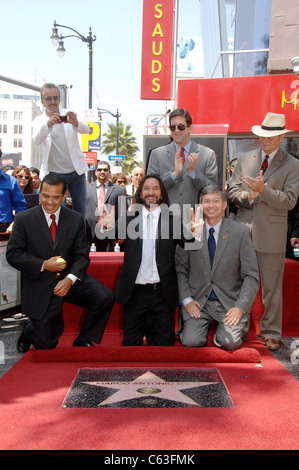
(195, 330)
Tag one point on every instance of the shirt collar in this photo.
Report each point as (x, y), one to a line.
(186, 147)
(155, 213)
(48, 216)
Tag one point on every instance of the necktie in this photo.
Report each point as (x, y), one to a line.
(265, 164)
(148, 249)
(101, 201)
(53, 227)
(182, 155)
(212, 248)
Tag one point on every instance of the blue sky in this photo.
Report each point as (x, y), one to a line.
(26, 49)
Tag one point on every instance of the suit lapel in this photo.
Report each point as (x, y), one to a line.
(274, 165)
(42, 226)
(223, 238)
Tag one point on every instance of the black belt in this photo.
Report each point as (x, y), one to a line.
(149, 286)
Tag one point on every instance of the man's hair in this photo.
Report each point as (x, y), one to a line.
(212, 189)
(48, 85)
(34, 170)
(54, 179)
(164, 194)
(181, 112)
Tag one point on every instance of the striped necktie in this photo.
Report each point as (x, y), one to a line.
(265, 164)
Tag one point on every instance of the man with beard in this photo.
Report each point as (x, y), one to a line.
(147, 284)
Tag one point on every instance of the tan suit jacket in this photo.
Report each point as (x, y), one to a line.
(267, 216)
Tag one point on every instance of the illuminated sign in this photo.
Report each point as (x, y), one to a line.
(157, 50)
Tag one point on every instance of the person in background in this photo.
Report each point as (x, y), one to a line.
(100, 195)
(23, 176)
(184, 166)
(57, 130)
(35, 179)
(264, 187)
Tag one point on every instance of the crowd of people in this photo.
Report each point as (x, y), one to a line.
(212, 266)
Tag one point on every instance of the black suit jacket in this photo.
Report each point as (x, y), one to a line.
(30, 244)
(169, 236)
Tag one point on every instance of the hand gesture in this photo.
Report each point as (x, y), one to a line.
(108, 220)
(197, 222)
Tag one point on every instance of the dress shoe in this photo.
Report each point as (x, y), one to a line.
(272, 344)
(23, 344)
(83, 343)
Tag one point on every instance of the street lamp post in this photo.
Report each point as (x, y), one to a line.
(117, 116)
(58, 40)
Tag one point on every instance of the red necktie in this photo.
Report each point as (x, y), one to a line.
(53, 227)
(182, 155)
(265, 164)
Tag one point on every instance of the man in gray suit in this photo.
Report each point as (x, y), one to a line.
(265, 187)
(100, 196)
(184, 166)
(220, 280)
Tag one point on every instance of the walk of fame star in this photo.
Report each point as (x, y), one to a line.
(133, 388)
(150, 384)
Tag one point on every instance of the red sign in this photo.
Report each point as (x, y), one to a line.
(241, 102)
(157, 50)
(91, 157)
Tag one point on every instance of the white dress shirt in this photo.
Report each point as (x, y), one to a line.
(154, 278)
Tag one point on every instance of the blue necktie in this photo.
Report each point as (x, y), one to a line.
(212, 249)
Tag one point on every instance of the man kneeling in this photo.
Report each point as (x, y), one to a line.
(220, 280)
(48, 245)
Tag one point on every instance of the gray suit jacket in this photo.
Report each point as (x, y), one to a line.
(267, 216)
(234, 276)
(185, 190)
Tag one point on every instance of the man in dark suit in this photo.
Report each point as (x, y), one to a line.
(147, 285)
(102, 195)
(53, 256)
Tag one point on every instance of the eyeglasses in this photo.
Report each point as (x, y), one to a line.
(120, 182)
(181, 127)
(50, 98)
(102, 169)
(23, 177)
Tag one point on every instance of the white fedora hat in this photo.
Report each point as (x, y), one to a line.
(274, 124)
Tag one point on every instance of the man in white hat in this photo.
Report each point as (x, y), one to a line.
(265, 186)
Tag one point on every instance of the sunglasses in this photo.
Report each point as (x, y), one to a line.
(23, 177)
(102, 169)
(120, 182)
(50, 98)
(181, 127)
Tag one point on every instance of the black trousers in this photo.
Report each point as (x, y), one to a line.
(148, 307)
(90, 294)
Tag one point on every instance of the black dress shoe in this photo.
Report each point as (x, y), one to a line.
(83, 343)
(23, 344)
